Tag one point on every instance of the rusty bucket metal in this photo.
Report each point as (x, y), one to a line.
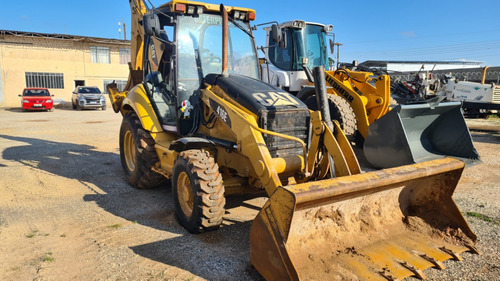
(381, 225)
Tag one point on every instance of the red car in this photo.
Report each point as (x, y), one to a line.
(36, 99)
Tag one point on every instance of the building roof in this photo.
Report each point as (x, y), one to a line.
(63, 37)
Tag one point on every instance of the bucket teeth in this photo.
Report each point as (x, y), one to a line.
(386, 273)
(418, 273)
(473, 249)
(437, 264)
(450, 252)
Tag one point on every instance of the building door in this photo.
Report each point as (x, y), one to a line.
(79, 83)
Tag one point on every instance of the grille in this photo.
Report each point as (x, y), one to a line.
(496, 94)
(291, 122)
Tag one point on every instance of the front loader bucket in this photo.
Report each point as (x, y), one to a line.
(381, 225)
(419, 132)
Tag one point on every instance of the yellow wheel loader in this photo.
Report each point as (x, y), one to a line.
(360, 101)
(196, 113)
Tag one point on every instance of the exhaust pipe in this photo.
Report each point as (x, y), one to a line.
(225, 31)
(483, 77)
(321, 95)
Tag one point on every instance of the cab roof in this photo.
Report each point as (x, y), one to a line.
(183, 6)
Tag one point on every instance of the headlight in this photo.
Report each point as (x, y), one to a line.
(328, 28)
(26, 101)
(299, 24)
(48, 101)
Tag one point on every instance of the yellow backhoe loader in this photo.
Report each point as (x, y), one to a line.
(360, 101)
(196, 113)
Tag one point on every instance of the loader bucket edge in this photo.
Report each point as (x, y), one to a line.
(388, 223)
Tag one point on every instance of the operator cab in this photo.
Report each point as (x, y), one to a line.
(297, 43)
(175, 69)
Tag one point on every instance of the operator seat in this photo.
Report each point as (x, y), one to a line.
(162, 98)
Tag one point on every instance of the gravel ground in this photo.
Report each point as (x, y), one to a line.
(66, 212)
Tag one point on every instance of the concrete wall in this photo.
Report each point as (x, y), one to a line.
(21, 54)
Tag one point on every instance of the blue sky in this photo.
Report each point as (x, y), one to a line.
(368, 30)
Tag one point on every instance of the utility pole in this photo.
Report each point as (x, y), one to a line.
(124, 32)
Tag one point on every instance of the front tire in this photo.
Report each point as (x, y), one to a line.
(198, 191)
(137, 160)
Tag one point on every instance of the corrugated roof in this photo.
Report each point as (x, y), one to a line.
(64, 37)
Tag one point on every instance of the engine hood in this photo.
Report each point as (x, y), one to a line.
(254, 94)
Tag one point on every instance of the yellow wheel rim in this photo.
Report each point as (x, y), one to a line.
(129, 150)
(185, 194)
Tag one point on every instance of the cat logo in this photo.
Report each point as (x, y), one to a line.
(275, 99)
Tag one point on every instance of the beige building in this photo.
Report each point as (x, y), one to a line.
(59, 63)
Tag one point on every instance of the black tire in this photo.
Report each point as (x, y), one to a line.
(340, 110)
(137, 154)
(103, 108)
(198, 191)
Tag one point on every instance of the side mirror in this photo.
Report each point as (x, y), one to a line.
(151, 24)
(332, 46)
(276, 33)
(19, 95)
(278, 36)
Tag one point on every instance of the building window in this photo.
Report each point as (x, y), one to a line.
(124, 55)
(45, 80)
(99, 55)
(120, 84)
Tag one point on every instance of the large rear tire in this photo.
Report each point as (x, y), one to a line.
(340, 110)
(198, 191)
(137, 154)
